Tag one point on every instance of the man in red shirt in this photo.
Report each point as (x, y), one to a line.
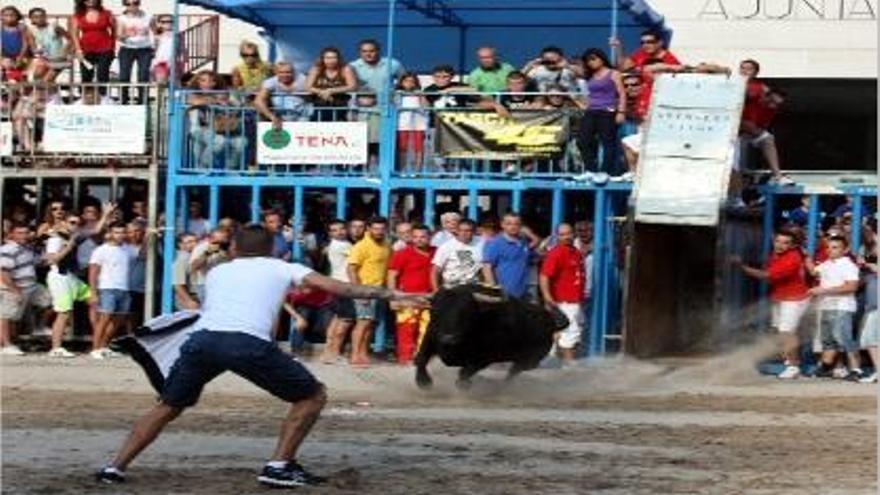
(789, 295)
(650, 47)
(410, 270)
(562, 286)
(760, 108)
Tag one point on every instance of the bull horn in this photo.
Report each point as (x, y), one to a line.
(487, 299)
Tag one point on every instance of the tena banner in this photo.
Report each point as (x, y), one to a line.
(95, 129)
(312, 143)
(487, 135)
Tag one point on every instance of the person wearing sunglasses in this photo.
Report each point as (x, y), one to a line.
(164, 53)
(133, 28)
(650, 47)
(252, 71)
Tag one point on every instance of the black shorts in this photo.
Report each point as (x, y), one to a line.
(207, 354)
(343, 307)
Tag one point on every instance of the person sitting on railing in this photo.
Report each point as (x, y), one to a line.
(53, 46)
(93, 29)
(215, 128)
(412, 122)
(759, 110)
(164, 54)
(329, 81)
(252, 71)
(16, 45)
(371, 70)
(133, 29)
(490, 76)
(280, 98)
(551, 68)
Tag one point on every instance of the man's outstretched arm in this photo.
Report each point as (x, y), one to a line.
(354, 291)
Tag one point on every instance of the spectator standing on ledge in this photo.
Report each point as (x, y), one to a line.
(15, 45)
(133, 29)
(164, 54)
(490, 75)
(759, 110)
(109, 278)
(279, 100)
(367, 265)
(371, 70)
(184, 296)
(93, 29)
(329, 81)
(18, 286)
(551, 68)
(838, 282)
(606, 107)
(651, 49)
(789, 295)
(52, 44)
(344, 313)
(409, 270)
(457, 261)
(507, 257)
(250, 73)
(562, 286)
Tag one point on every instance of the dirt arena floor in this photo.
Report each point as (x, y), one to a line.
(616, 426)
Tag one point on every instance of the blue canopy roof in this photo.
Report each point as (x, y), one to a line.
(431, 32)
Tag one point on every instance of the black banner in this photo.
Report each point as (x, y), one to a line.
(487, 135)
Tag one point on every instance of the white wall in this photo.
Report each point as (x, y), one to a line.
(791, 38)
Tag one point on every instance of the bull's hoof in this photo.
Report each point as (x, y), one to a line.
(464, 383)
(424, 382)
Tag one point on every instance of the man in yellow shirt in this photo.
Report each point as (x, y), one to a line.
(367, 265)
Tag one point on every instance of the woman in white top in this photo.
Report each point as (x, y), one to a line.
(412, 122)
(133, 28)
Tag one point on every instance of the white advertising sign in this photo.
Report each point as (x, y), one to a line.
(313, 143)
(5, 138)
(95, 129)
(688, 148)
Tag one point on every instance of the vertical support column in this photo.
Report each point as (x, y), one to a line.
(298, 221)
(557, 212)
(340, 202)
(213, 205)
(38, 203)
(857, 213)
(473, 206)
(812, 224)
(182, 219)
(77, 195)
(114, 188)
(255, 203)
(767, 240)
(152, 241)
(429, 207)
(175, 158)
(516, 200)
(597, 324)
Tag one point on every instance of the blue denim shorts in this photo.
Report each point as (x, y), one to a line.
(836, 331)
(114, 301)
(366, 309)
(207, 354)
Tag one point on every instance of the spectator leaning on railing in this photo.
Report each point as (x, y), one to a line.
(250, 73)
(371, 70)
(16, 44)
(551, 68)
(53, 46)
(281, 97)
(490, 75)
(133, 30)
(93, 29)
(215, 129)
(330, 81)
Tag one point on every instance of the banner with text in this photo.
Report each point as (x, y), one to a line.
(95, 129)
(487, 135)
(313, 143)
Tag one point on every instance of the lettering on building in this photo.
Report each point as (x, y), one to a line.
(780, 10)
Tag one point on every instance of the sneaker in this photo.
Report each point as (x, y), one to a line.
(854, 375)
(290, 475)
(782, 180)
(840, 373)
(823, 371)
(789, 373)
(11, 350)
(872, 378)
(584, 177)
(600, 178)
(97, 354)
(60, 352)
(628, 177)
(110, 475)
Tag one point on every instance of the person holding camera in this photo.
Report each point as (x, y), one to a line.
(551, 68)
(206, 255)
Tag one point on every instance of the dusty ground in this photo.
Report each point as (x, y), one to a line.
(614, 427)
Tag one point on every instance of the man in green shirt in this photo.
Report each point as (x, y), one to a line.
(491, 75)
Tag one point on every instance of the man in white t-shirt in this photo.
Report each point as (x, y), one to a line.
(458, 260)
(343, 307)
(65, 287)
(838, 284)
(109, 277)
(243, 299)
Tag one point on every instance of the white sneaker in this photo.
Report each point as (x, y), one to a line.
(11, 350)
(872, 378)
(600, 178)
(789, 373)
(60, 352)
(840, 372)
(628, 177)
(584, 177)
(782, 180)
(97, 354)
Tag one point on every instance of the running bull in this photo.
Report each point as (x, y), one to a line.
(473, 326)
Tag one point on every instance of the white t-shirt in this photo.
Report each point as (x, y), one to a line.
(410, 115)
(115, 263)
(134, 30)
(834, 273)
(440, 237)
(55, 244)
(459, 262)
(337, 255)
(245, 295)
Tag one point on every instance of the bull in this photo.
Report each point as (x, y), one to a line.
(473, 326)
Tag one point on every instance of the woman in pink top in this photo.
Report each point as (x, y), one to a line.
(93, 30)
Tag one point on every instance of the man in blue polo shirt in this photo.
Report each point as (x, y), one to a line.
(371, 70)
(507, 257)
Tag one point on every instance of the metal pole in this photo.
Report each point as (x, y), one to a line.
(597, 326)
(856, 224)
(429, 207)
(557, 209)
(812, 224)
(298, 198)
(255, 203)
(516, 200)
(175, 28)
(213, 205)
(340, 202)
(767, 240)
(473, 199)
(614, 9)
